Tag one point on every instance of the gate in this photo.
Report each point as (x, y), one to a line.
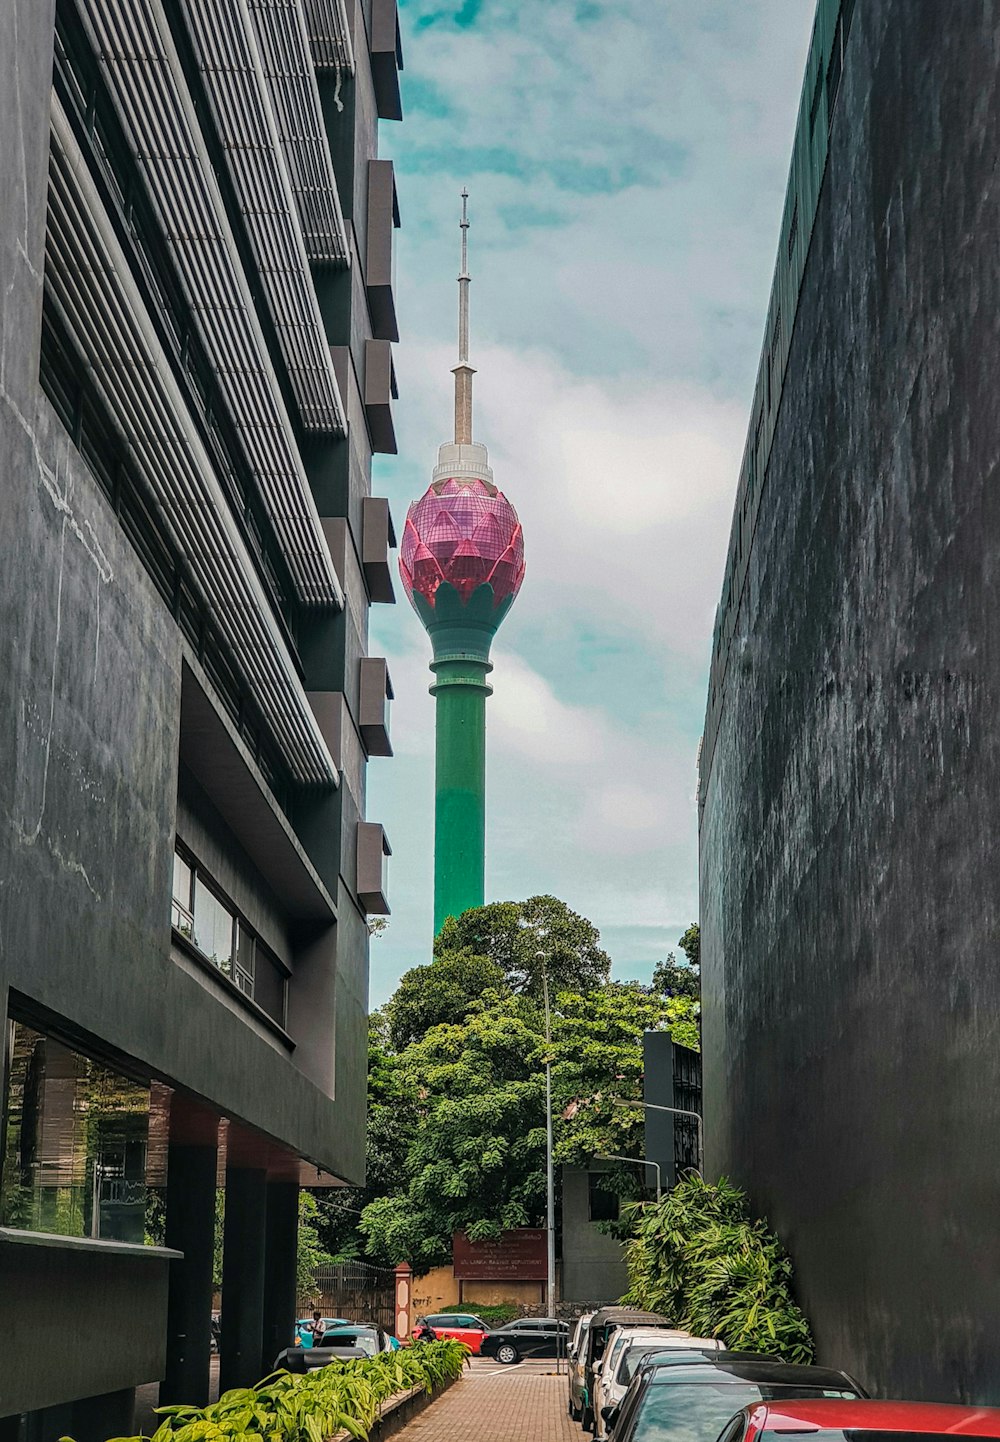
(359, 1292)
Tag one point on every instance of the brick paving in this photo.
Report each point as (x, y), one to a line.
(526, 1403)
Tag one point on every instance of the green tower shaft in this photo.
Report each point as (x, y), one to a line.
(460, 690)
(461, 634)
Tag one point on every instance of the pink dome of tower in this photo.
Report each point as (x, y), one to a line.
(462, 530)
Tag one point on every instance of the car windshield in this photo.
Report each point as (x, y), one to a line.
(698, 1411)
(634, 1355)
(615, 1353)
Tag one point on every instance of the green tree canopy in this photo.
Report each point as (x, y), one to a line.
(455, 984)
(682, 978)
(456, 1113)
(529, 938)
(475, 1157)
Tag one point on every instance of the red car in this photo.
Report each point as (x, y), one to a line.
(836, 1420)
(463, 1326)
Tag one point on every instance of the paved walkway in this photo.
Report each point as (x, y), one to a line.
(526, 1403)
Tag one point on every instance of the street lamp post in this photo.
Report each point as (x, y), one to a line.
(550, 1183)
(677, 1112)
(611, 1157)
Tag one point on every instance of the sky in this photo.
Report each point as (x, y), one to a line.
(626, 162)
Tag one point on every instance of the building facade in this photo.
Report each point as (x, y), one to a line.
(196, 321)
(851, 760)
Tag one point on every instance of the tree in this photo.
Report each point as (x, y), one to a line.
(456, 1121)
(690, 944)
(455, 984)
(598, 1064)
(682, 978)
(311, 1253)
(476, 1154)
(527, 939)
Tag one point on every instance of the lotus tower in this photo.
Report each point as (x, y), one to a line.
(462, 563)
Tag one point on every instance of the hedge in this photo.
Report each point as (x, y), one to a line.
(341, 1397)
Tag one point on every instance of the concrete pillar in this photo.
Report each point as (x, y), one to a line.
(404, 1301)
(191, 1178)
(242, 1341)
(111, 1414)
(280, 1268)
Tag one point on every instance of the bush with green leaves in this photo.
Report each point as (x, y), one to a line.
(495, 1314)
(699, 1258)
(341, 1397)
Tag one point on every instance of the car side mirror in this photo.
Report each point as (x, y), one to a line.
(609, 1415)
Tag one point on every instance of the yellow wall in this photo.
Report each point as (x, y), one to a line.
(438, 1291)
(495, 1294)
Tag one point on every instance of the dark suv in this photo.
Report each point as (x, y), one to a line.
(530, 1337)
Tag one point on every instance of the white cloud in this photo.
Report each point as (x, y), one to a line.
(527, 720)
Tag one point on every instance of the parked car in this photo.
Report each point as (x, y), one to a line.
(462, 1326)
(693, 1402)
(366, 1335)
(625, 1346)
(348, 1339)
(602, 1324)
(303, 1328)
(575, 1358)
(529, 1337)
(837, 1420)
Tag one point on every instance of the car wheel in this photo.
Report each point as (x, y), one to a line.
(507, 1354)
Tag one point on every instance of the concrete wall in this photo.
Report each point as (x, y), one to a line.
(592, 1265)
(850, 897)
(46, 1279)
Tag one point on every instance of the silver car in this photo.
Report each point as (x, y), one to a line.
(576, 1357)
(626, 1346)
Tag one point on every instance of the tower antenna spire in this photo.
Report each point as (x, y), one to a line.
(463, 372)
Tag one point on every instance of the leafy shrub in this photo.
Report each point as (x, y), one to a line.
(342, 1397)
(699, 1259)
(496, 1316)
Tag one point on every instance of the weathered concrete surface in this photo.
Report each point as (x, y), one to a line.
(850, 892)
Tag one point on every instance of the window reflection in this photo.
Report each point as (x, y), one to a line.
(213, 929)
(74, 1159)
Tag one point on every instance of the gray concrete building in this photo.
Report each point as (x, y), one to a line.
(593, 1268)
(196, 322)
(850, 770)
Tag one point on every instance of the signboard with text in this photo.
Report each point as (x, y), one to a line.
(515, 1256)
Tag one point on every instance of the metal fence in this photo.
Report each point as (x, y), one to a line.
(358, 1291)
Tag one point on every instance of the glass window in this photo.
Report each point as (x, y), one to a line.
(213, 928)
(199, 913)
(74, 1160)
(181, 912)
(603, 1202)
(244, 969)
